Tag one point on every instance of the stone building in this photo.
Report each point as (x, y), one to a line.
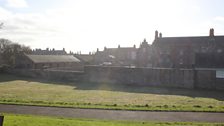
(49, 52)
(144, 55)
(52, 62)
(121, 56)
(186, 52)
(87, 59)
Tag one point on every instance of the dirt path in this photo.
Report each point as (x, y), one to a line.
(115, 114)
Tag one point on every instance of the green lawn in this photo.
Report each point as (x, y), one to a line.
(18, 90)
(27, 120)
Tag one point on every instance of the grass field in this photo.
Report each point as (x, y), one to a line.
(18, 90)
(27, 120)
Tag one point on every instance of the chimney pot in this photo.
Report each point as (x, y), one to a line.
(160, 35)
(211, 32)
(156, 34)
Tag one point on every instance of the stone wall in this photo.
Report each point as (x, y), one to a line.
(207, 79)
(180, 78)
(183, 78)
(49, 74)
(140, 76)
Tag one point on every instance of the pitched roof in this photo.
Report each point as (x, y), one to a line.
(85, 57)
(52, 58)
(192, 40)
(48, 52)
(121, 49)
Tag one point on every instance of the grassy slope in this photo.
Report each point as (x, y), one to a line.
(25, 120)
(86, 95)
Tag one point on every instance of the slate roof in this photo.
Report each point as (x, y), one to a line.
(85, 58)
(193, 40)
(48, 52)
(122, 49)
(52, 58)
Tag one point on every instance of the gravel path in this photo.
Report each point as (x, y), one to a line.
(115, 114)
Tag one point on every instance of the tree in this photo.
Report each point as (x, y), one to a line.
(10, 50)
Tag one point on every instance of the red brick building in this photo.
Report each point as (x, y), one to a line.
(185, 52)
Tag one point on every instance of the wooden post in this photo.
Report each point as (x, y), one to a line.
(1, 120)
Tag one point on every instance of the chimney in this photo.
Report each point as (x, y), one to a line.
(119, 46)
(160, 35)
(97, 50)
(63, 49)
(156, 34)
(211, 32)
(105, 48)
(134, 46)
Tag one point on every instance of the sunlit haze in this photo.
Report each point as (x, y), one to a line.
(85, 25)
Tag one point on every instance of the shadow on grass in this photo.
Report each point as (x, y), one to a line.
(203, 93)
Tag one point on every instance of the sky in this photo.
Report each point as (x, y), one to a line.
(85, 25)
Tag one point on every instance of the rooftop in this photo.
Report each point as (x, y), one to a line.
(52, 58)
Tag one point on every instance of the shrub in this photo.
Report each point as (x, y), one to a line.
(197, 106)
(210, 106)
(165, 106)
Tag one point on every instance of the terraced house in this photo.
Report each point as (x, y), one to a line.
(188, 52)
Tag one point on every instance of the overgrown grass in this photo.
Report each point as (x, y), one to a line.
(17, 90)
(27, 120)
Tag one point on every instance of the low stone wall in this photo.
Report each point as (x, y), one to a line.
(140, 76)
(181, 78)
(49, 74)
(207, 79)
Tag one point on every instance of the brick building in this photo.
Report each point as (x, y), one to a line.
(49, 52)
(185, 52)
(121, 56)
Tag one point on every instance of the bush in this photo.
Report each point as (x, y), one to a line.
(210, 106)
(197, 106)
(165, 106)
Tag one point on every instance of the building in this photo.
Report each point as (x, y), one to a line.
(49, 52)
(87, 59)
(188, 52)
(144, 55)
(52, 62)
(121, 56)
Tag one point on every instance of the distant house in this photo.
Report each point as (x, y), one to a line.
(87, 59)
(144, 55)
(49, 52)
(185, 52)
(121, 56)
(53, 62)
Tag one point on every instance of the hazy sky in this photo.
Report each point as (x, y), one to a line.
(85, 25)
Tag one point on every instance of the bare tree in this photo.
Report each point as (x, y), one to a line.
(9, 50)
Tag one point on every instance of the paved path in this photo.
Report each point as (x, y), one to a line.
(115, 114)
